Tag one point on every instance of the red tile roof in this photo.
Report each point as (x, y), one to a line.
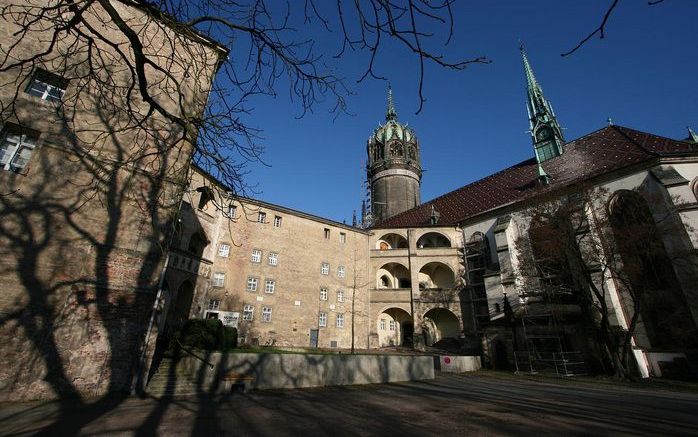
(602, 151)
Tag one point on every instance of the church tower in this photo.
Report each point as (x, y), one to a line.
(394, 172)
(545, 129)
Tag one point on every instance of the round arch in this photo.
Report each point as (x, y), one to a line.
(391, 241)
(393, 275)
(436, 275)
(439, 324)
(433, 239)
(394, 327)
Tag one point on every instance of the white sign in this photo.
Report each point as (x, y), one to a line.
(229, 318)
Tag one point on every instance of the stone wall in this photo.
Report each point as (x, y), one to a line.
(269, 371)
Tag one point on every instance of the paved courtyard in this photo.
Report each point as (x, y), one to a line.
(473, 404)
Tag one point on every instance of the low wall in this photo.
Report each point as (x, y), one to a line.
(269, 370)
(457, 364)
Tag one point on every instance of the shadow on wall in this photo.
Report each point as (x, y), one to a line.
(81, 238)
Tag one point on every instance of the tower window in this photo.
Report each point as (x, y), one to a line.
(327, 234)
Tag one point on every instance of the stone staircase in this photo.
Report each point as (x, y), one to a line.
(168, 380)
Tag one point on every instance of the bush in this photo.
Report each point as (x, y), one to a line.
(208, 334)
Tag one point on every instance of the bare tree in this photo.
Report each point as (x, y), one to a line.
(586, 248)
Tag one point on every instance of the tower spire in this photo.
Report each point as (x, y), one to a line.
(390, 114)
(545, 129)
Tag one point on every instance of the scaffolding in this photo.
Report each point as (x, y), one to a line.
(546, 349)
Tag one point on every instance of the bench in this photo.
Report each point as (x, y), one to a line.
(234, 380)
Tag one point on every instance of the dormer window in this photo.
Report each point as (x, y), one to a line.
(47, 86)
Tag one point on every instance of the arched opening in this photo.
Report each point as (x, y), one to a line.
(197, 244)
(182, 307)
(393, 275)
(436, 275)
(395, 328)
(649, 272)
(440, 328)
(433, 239)
(391, 241)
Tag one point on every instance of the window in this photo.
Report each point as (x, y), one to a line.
(323, 294)
(269, 286)
(252, 283)
(497, 308)
(16, 147)
(327, 234)
(342, 237)
(340, 320)
(273, 258)
(322, 320)
(256, 255)
(340, 295)
(214, 304)
(47, 86)
(325, 269)
(218, 279)
(392, 325)
(277, 221)
(266, 314)
(382, 324)
(232, 210)
(224, 250)
(262, 217)
(340, 272)
(248, 312)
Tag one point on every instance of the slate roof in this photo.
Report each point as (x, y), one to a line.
(605, 150)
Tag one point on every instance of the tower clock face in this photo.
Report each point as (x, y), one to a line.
(544, 133)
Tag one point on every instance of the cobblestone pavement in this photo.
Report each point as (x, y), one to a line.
(472, 404)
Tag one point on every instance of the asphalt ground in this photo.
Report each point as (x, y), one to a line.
(466, 404)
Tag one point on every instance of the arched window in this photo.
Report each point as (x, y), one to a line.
(550, 239)
(649, 272)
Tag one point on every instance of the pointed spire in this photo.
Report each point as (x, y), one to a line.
(544, 127)
(692, 135)
(530, 77)
(391, 114)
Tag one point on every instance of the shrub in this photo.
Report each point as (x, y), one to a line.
(208, 334)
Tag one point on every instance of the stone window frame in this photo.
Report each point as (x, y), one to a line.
(218, 279)
(325, 268)
(214, 304)
(269, 289)
(327, 233)
(267, 314)
(341, 272)
(339, 320)
(322, 319)
(342, 237)
(252, 283)
(391, 325)
(273, 259)
(324, 293)
(256, 256)
(47, 86)
(340, 296)
(261, 217)
(232, 211)
(381, 324)
(277, 221)
(16, 140)
(224, 250)
(248, 312)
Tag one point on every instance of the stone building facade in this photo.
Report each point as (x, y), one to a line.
(83, 216)
(286, 278)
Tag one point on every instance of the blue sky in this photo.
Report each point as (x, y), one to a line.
(644, 75)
